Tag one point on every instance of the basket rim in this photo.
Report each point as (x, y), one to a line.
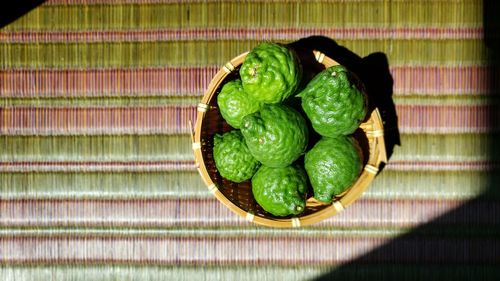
(373, 129)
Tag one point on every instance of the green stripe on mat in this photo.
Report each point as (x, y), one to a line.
(250, 230)
(115, 101)
(430, 185)
(183, 99)
(387, 185)
(481, 99)
(102, 185)
(200, 53)
(96, 148)
(448, 147)
(202, 15)
(193, 99)
(108, 272)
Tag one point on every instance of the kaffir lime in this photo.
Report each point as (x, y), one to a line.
(276, 135)
(234, 103)
(280, 191)
(334, 102)
(271, 73)
(333, 165)
(232, 157)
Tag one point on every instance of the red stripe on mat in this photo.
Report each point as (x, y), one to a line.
(292, 33)
(424, 165)
(105, 82)
(210, 212)
(133, 120)
(175, 81)
(439, 119)
(436, 119)
(235, 251)
(98, 166)
(189, 165)
(442, 80)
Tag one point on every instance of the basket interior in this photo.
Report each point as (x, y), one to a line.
(240, 194)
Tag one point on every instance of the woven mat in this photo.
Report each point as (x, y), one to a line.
(97, 176)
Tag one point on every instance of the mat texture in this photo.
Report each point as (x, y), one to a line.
(97, 176)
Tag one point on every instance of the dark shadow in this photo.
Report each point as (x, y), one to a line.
(374, 71)
(12, 10)
(463, 244)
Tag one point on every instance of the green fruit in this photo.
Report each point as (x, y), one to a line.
(234, 103)
(333, 165)
(270, 73)
(276, 135)
(333, 102)
(280, 191)
(232, 157)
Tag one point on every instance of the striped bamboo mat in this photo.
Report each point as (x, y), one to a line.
(97, 177)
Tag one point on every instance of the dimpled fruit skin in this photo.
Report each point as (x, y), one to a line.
(334, 104)
(232, 157)
(270, 73)
(280, 191)
(333, 165)
(276, 135)
(234, 103)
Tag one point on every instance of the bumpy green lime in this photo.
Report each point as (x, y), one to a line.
(234, 103)
(232, 157)
(276, 135)
(333, 165)
(270, 73)
(280, 191)
(333, 102)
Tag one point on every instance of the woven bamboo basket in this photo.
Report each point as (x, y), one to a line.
(238, 197)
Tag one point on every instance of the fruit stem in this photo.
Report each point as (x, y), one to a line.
(253, 71)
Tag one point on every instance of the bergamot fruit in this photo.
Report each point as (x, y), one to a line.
(334, 102)
(276, 135)
(232, 157)
(234, 103)
(280, 191)
(333, 165)
(271, 73)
